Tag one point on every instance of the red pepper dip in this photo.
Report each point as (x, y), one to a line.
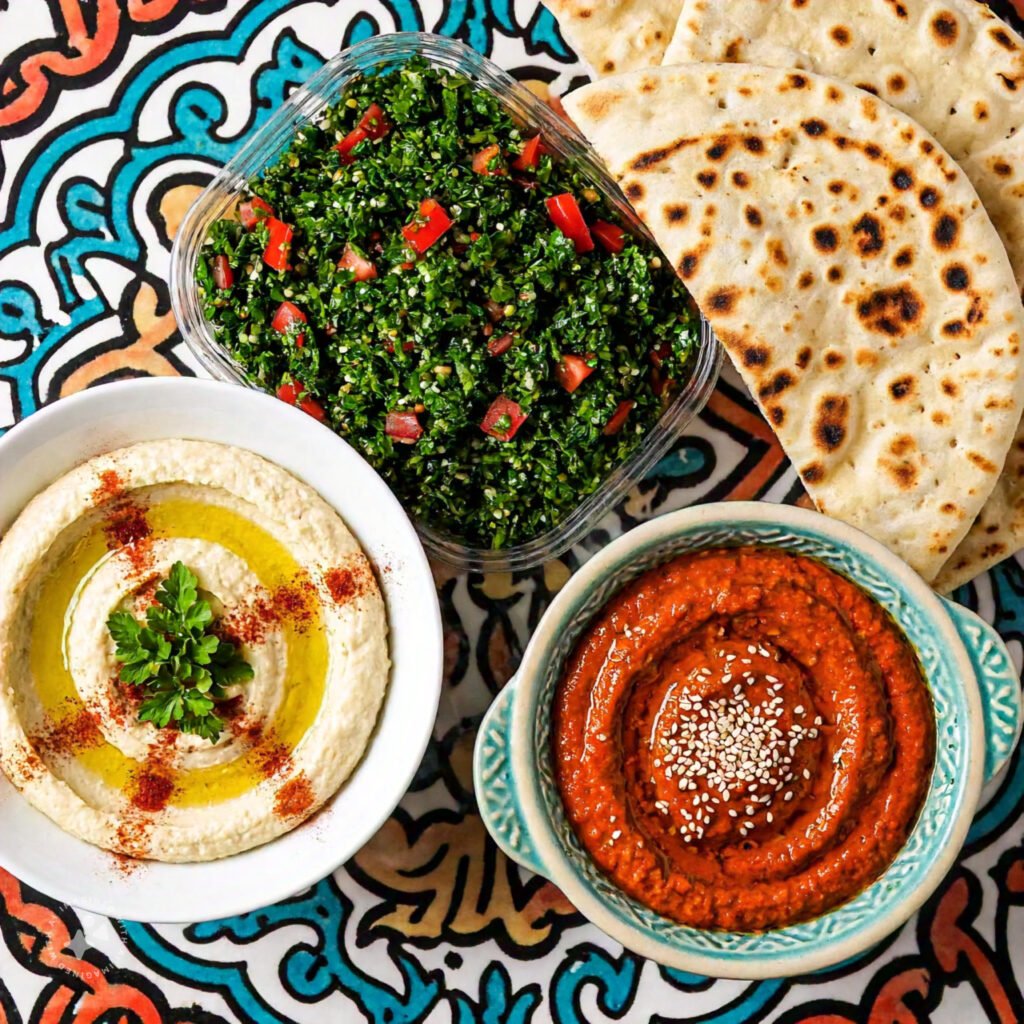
(743, 739)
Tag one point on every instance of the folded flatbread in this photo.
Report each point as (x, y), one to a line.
(851, 272)
(617, 35)
(998, 532)
(955, 68)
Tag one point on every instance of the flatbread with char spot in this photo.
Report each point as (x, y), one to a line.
(998, 532)
(851, 272)
(954, 67)
(617, 35)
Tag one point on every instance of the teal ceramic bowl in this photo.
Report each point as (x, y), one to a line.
(975, 691)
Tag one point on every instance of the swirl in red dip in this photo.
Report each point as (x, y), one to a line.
(743, 739)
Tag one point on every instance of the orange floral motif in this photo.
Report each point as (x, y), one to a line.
(956, 943)
(89, 35)
(889, 1006)
(152, 328)
(46, 941)
(449, 878)
(140, 356)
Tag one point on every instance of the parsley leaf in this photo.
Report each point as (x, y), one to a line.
(415, 336)
(181, 666)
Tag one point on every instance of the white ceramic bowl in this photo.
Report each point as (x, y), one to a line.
(51, 442)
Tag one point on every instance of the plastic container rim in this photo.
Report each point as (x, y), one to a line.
(303, 107)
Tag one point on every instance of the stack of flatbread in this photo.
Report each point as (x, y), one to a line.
(841, 183)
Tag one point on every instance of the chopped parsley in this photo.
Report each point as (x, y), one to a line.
(402, 274)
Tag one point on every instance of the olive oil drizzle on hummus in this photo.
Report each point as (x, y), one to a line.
(305, 643)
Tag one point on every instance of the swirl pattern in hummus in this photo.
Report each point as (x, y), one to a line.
(287, 581)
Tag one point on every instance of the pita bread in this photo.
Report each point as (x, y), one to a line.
(998, 531)
(850, 271)
(952, 66)
(617, 35)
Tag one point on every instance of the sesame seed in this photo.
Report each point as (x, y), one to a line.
(723, 747)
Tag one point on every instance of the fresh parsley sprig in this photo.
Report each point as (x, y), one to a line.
(179, 664)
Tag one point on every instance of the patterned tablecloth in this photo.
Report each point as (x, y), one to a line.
(112, 115)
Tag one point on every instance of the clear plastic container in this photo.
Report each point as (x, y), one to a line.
(326, 87)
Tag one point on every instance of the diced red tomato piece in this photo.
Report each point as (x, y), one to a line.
(363, 269)
(495, 310)
(311, 407)
(252, 211)
(406, 266)
(483, 162)
(474, 236)
(287, 314)
(292, 392)
(565, 212)
(373, 125)
(618, 418)
(660, 354)
(431, 224)
(349, 143)
(572, 371)
(499, 346)
(660, 383)
(556, 104)
(275, 255)
(403, 427)
(223, 275)
(374, 122)
(529, 158)
(611, 236)
(503, 419)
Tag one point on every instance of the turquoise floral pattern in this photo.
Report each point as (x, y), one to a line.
(112, 117)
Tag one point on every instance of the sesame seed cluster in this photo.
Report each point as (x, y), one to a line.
(744, 739)
(727, 742)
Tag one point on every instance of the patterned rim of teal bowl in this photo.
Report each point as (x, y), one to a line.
(977, 730)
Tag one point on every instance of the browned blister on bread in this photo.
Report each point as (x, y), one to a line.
(851, 272)
(617, 35)
(954, 67)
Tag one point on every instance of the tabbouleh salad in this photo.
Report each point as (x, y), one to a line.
(419, 273)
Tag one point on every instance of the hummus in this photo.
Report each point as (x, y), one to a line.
(743, 739)
(288, 583)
